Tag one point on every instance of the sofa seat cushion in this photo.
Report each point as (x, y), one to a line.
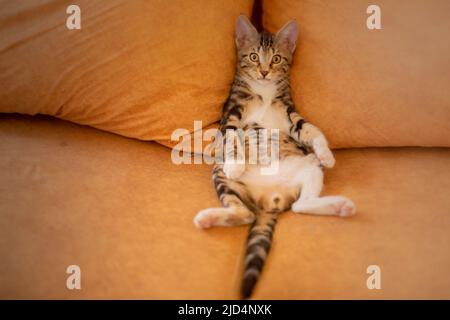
(119, 209)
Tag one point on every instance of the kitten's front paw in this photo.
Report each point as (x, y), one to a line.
(325, 157)
(233, 170)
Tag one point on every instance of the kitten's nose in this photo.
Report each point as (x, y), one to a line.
(264, 73)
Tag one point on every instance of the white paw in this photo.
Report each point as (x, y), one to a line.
(345, 208)
(329, 205)
(325, 157)
(233, 170)
(205, 219)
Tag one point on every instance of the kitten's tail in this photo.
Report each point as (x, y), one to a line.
(258, 246)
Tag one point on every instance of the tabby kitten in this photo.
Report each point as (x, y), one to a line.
(260, 99)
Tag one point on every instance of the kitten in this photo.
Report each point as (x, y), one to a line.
(260, 99)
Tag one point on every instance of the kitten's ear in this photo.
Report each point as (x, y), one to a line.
(288, 35)
(245, 31)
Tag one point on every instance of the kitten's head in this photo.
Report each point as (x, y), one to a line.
(262, 56)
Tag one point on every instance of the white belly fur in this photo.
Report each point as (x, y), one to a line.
(263, 112)
(286, 182)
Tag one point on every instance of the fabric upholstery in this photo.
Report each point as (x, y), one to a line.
(138, 68)
(364, 87)
(123, 212)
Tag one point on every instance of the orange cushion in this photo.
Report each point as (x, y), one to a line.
(364, 87)
(138, 68)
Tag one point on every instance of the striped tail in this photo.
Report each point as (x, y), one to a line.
(258, 246)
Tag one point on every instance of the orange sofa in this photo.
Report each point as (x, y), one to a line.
(114, 204)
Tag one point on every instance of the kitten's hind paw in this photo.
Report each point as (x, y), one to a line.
(346, 208)
(205, 219)
(223, 217)
(329, 205)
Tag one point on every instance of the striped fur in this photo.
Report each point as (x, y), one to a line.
(258, 245)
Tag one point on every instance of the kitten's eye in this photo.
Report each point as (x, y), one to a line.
(254, 57)
(276, 59)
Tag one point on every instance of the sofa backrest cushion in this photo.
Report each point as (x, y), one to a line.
(140, 68)
(371, 87)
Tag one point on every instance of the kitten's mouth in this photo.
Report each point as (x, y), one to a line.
(264, 79)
